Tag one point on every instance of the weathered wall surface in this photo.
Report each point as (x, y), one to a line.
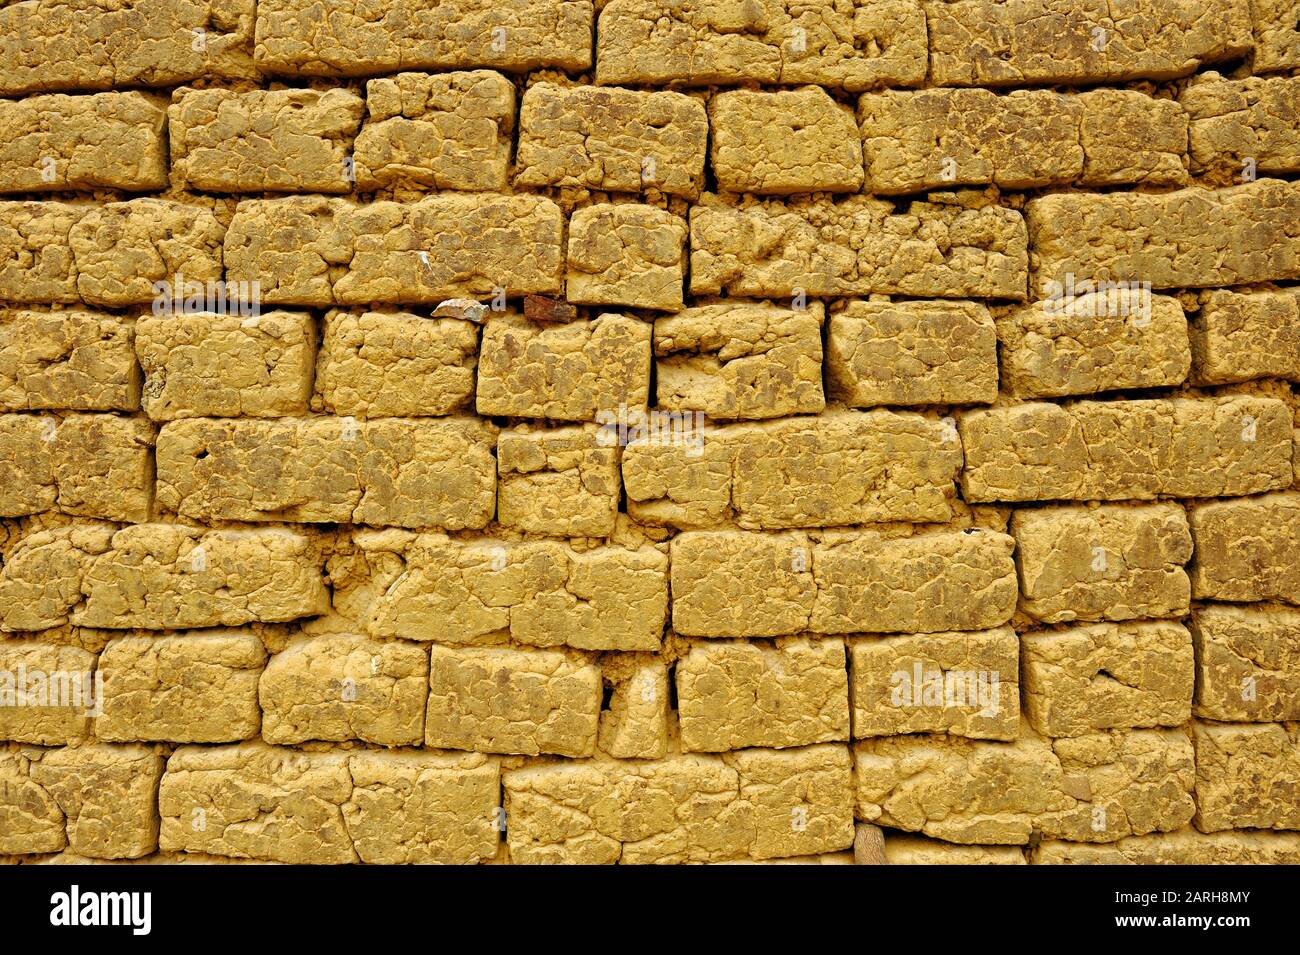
(518, 431)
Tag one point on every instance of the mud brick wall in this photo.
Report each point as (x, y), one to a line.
(518, 431)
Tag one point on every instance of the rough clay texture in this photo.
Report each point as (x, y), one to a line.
(206, 364)
(921, 683)
(1107, 676)
(629, 431)
(394, 364)
(991, 43)
(614, 140)
(1094, 788)
(1237, 120)
(59, 142)
(77, 360)
(930, 139)
(912, 353)
(341, 687)
(782, 143)
(190, 688)
(1101, 341)
(626, 254)
(1193, 237)
(1116, 450)
(740, 360)
(263, 141)
(1247, 665)
(1240, 336)
(736, 694)
(401, 472)
(842, 467)
(439, 131)
(1111, 562)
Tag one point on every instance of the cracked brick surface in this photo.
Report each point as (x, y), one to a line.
(212, 365)
(158, 576)
(753, 584)
(540, 593)
(857, 246)
(1184, 847)
(192, 687)
(56, 710)
(735, 694)
(1247, 549)
(403, 472)
(1107, 676)
(1240, 336)
(567, 372)
(842, 467)
(283, 805)
(395, 364)
(741, 807)
(852, 45)
(1235, 120)
(442, 131)
(1098, 341)
(90, 465)
(1109, 562)
(626, 254)
(307, 250)
(560, 482)
(106, 140)
(911, 353)
(1095, 788)
(611, 139)
(1277, 35)
(83, 45)
(1192, 237)
(1024, 139)
(782, 143)
(740, 360)
(962, 684)
(1248, 669)
(75, 360)
(263, 140)
(111, 254)
(341, 687)
(99, 797)
(1246, 775)
(992, 43)
(1043, 451)
(504, 700)
(347, 38)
